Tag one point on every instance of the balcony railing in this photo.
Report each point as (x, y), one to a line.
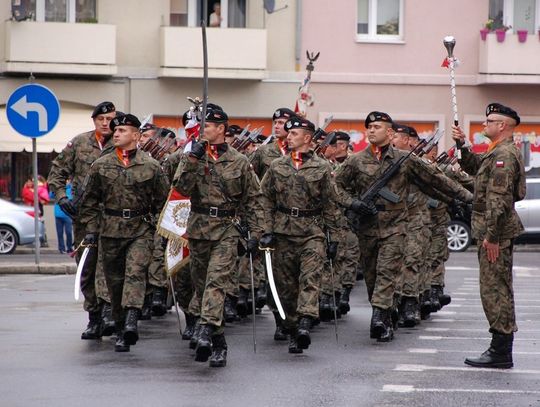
(233, 53)
(60, 48)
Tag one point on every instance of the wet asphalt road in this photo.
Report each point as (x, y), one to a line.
(44, 363)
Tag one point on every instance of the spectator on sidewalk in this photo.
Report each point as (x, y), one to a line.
(63, 224)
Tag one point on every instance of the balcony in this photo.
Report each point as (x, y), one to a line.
(509, 62)
(60, 48)
(233, 53)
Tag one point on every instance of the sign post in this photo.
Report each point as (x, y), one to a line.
(33, 111)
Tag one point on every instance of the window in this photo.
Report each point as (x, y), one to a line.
(380, 20)
(64, 11)
(519, 14)
(221, 13)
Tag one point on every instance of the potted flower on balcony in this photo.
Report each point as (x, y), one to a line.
(488, 27)
(522, 35)
(501, 32)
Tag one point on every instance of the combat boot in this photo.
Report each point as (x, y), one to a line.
(131, 333)
(359, 274)
(344, 306)
(434, 298)
(388, 334)
(195, 336)
(409, 310)
(293, 345)
(499, 354)
(146, 311)
(107, 323)
(159, 300)
(229, 309)
(242, 303)
(377, 326)
(302, 335)
(120, 344)
(93, 329)
(190, 327)
(260, 296)
(281, 333)
(219, 351)
(444, 299)
(425, 305)
(204, 343)
(250, 303)
(326, 312)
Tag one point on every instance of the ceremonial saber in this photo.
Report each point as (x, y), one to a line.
(80, 267)
(449, 43)
(271, 282)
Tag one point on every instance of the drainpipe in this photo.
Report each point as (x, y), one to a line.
(298, 42)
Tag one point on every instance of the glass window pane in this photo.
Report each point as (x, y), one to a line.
(388, 17)
(524, 11)
(237, 13)
(85, 11)
(363, 17)
(179, 13)
(56, 10)
(496, 12)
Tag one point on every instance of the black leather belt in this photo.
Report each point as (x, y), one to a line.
(479, 207)
(299, 213)
(126, 213)
(214, 211)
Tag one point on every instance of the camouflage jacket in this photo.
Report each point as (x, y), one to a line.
(228, 183)
(141, 185)
(310, 187)
(75, 161)
(360, 170)
(170, 164)
(499, 182)
(263, 157)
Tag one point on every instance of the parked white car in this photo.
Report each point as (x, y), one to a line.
(16, 226)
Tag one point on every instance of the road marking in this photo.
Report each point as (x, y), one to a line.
(433, 351)
(466, 338)
(473, 330)
(398, 388)
(423, 368)
(446, 313)
(456, 305)
(443, 320)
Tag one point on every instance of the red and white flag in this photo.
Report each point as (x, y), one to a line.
(192, 130)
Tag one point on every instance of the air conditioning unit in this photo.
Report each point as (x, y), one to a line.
(22, 10)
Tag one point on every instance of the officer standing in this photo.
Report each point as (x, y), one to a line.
(218, 180)
(299, 199)
(132, 189)
(499, 183)
(74, 162)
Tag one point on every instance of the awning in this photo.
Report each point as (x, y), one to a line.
(73, 121)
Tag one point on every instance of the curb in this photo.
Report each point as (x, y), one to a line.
(32, 268)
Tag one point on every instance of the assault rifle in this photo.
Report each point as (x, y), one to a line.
(320, 148)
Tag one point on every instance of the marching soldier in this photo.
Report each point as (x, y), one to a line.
(132, 189)
(219, 181)
(382, 230)
(74, 163)
(499, 183)
(299, 197)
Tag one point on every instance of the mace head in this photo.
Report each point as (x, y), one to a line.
(449, 43)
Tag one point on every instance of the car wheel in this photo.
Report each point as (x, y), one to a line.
(8, 239)
(459, 236)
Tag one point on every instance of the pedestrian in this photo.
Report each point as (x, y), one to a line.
(64, 227)
(499, 176)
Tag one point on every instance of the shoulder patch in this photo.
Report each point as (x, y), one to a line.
(499, 164)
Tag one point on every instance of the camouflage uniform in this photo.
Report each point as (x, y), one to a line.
(215, 186)
(126, 238)
(263, 157)
(74, 162)
(499, 182)
(300, 205)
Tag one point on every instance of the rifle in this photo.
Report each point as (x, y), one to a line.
(321, 148)
(251, 138)
(237, 140)
(320, 132)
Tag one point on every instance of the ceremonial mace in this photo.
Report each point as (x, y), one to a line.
(449, 43)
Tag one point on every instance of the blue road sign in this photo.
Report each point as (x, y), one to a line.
(33, 110)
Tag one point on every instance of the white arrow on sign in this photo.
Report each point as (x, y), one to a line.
(22, 107)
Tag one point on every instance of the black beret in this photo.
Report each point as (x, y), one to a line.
(233, 130)
(147, 126)
(377, 117)
(401, 128)
(216, 116)
(125, 120)
(413, 132)
(504, 110)
(341, 135)
(299, 123)
(102, 108)
(283, 113)
(167, 133)
(213, 106)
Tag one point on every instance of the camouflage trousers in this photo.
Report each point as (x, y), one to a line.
(93, 283)
(348, 258)
(157, 276)
(382, 259)
(496, 289)
(244, 280)
(125, 262)
(438, 251)
(298, 267)
(184, 288)
(212, 266)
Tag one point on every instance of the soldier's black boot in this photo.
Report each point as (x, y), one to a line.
(204, 343)
(242, 303)
(401, 313)
(280, 334)
(434, 298)
(409, 309)
(219, 351)
(499, 354)
(293, 345)
(344, 306)
(93, 329)
(131, 333)
(444, 299)
(195, 336)
(425, 305)
(260, 295)
(146, 311)
(229, 309)
(359, 274)
(377, 326)
(159, 300)
(120, 344)
(108, 326)
(190, 326)
(388, 334)
(326, 312)
(302, 336)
